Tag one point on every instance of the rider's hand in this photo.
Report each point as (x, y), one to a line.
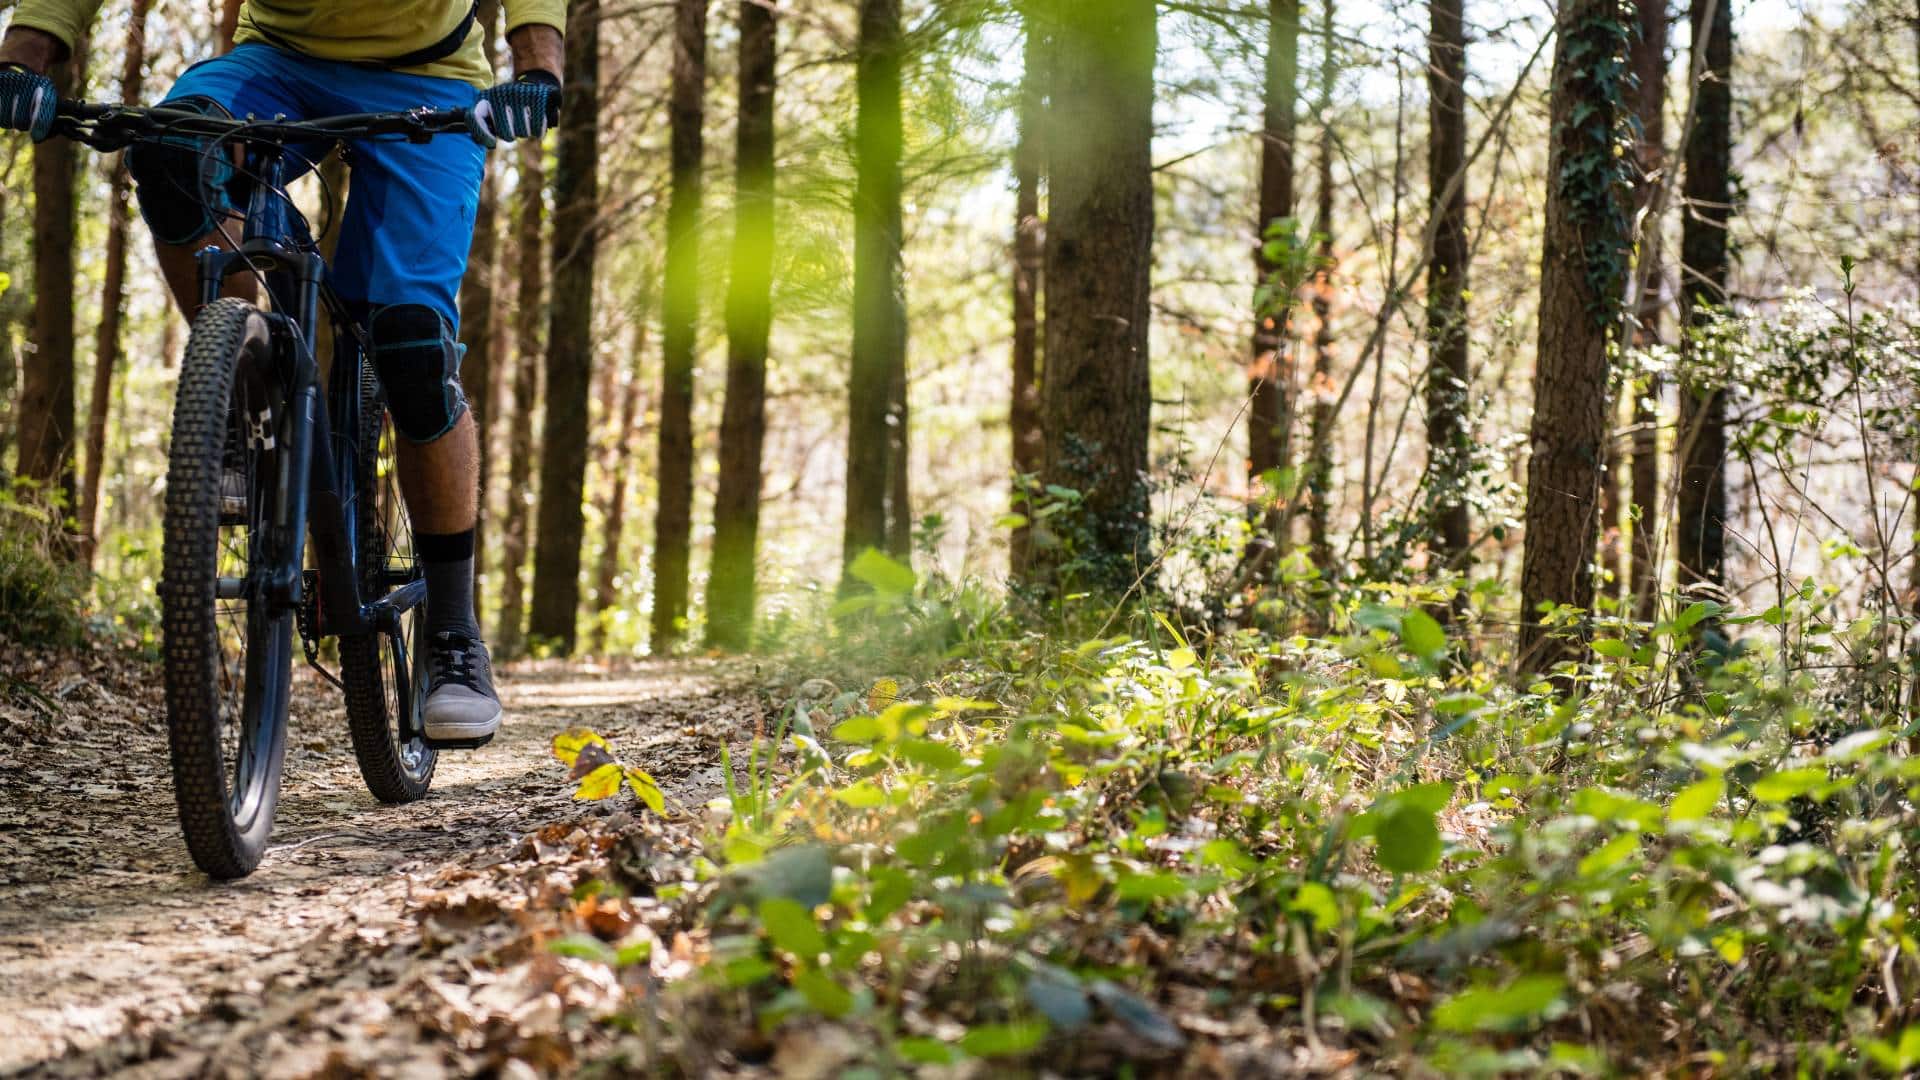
(522, 109)
(27, 99)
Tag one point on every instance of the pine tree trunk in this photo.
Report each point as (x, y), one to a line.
(509, 637)
(46, 390)
(1097, 393)
(106, 350)
(1023, 413)
(1581, 284)
(1449, 443)
(1319, 471)
(555, 612)
(1702, 509)
(478, 319)
(606, 591)
(1647, 56)
(876, 421)
(679, 329)
(1271, 375)
(743, 423)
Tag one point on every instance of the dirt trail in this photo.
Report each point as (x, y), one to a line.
(112, 946)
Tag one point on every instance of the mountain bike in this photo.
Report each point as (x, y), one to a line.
(262, 458)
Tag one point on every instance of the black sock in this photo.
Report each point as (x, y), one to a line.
(447, 559)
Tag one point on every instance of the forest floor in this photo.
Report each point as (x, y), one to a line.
(399, 940)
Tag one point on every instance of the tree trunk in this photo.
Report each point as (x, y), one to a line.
(743, 423)
(1023, 413)
(509, 638)
(1449, 443)
(1647, 56)
(46, 391)
(555, 615)
(1271, 375)
(106, 352)
(606, 591)
(1097, 393)
(1702, 510)
(1582, 281)
(876, 422)
(1319, 472)
(679, 328)
(477, 316)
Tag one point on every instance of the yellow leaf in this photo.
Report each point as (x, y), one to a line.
(568, 744)
(647, 790)
(599, 784)
(883, 694)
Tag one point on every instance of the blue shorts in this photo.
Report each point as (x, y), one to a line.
(409, 216)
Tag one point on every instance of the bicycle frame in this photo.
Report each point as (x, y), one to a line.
(317, 492)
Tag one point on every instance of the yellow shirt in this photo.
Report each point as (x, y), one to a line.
(338, 29)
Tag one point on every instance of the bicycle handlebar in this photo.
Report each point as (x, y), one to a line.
(113, 127)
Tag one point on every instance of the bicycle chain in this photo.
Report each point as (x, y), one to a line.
(306, 619)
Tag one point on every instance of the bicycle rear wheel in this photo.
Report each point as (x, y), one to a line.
(385, 672)
(228, 650)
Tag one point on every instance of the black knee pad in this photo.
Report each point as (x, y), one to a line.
(183, 189)
(419, 365)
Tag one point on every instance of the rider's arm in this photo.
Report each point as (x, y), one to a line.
(534, 29)
(31, 48)
(43, 32)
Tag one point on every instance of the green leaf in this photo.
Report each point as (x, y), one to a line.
(1004, 1040)
(584, 947)
(801, 873)
(930, 754)
(600, 783)
(1318, 904)
(647, 790)
(886, 576)
(822, 992)
(1423, 635)
(1181, 659)
(924, 1051)
(864, 795)
(1153, 886)
(1610, 854)
(859, 729)
(1697, 800)
(1789, 783)
(1613, 647)
(792, 927)
(1409, 841)
(1515, 1006)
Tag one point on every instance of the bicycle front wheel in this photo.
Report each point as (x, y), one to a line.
(228, 650)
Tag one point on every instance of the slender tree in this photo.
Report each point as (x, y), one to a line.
(1449, 442)
(1582, 280)
(619, 446)
(531, 272)
(743, 423)
(1029, 156)
(1097, 392)
(563, 457)
(46, 390)
(679, 327)
(1271, 375)
(1319, 471)
(478, 318)
(106, 352)
(876, 420)
(1700, 515)
(1647, 56)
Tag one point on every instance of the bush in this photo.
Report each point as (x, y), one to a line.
(41, 590)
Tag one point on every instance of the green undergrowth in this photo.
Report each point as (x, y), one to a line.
(1143, 852)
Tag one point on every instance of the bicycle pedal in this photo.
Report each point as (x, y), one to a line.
(456, 744)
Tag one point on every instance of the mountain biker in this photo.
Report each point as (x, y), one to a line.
(404, 233)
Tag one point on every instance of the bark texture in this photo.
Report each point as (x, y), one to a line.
(1449, 442)
(1097, 393)
(619, 448)
(113, 287)
(478, 317)
(46, 388)
(555, 610)
(1701, 512)
(1318, 477)
(1581, 284)
(876, 400)
(1271, 378)
(679, 328)
(743, 421)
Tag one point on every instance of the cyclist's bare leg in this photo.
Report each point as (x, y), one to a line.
(441, 479)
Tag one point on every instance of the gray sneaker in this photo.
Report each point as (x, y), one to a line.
(462, 707)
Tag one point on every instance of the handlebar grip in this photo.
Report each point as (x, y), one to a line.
(28, 102)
